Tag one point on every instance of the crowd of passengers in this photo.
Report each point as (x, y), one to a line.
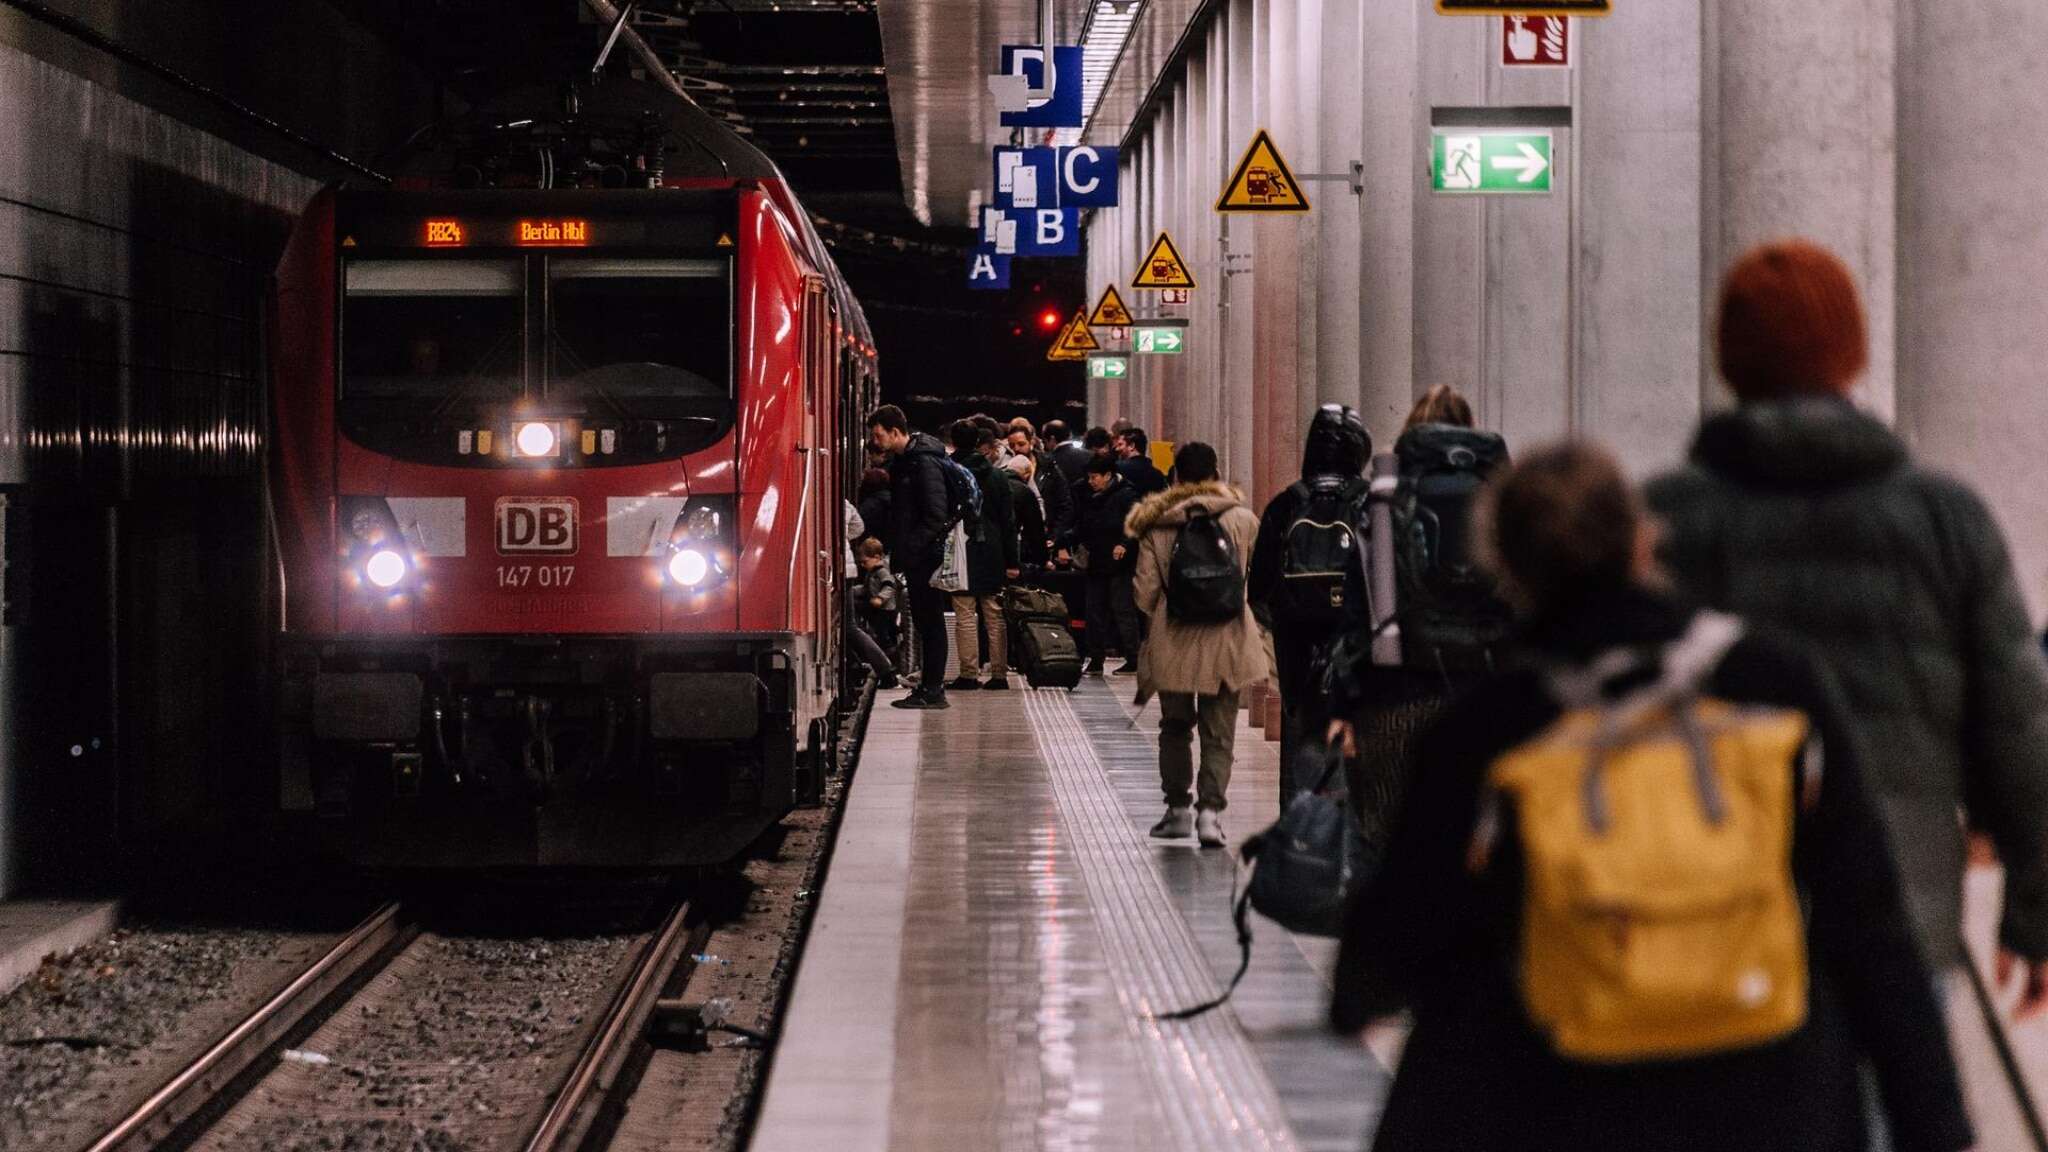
(1669, 790)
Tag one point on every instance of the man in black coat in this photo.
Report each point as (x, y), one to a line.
(1134, 453)
(921, 512)
(1070, 455)
(1332, 465)
(1112, 557)
(991, 561)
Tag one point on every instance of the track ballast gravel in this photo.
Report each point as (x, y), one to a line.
(457, 1044)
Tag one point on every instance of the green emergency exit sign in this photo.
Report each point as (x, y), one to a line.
(1102, 367)
(1158, 339)
(1489, 162)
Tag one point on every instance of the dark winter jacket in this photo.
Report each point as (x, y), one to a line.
(875, 513)
(1808, 516)
(992, 543)
(1031, 529)
(1477, 1075)
(1295, 648)
(1072, 458)
(1102, 529)
(1057, 495)
(919, 507)
(1143, 475)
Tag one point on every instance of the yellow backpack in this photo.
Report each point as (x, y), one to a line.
(1660, 915)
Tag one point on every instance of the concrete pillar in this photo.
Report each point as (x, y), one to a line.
(1801, 140)
(1389, 105)
(1240, 67)
(1339, 112)
(1275, 268)
(1972, 244)
(1637, 304)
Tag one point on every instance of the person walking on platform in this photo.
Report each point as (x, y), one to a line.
(1801, 512)
(1069, 453)
(1108, 556)
(1134, 462)
(1639, 898)
(1308, 573)
(1193, 542)
(991, 561)
(921, 511)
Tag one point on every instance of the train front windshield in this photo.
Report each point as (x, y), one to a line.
(640, 344)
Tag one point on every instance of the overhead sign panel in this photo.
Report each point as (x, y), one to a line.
(1056, 177)
(1525, 7)
(988, 271)
(1110, 311)
(1163, 267)
(1262, 182)
(1062, 109)
(1466, 162)
(1032, 231)
(1109, 366)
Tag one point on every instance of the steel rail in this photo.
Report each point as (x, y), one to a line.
(206, 1077)
(590, 1083)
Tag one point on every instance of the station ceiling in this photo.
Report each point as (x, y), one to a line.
(939, 54)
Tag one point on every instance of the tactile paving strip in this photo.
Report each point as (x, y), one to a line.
(1211, 1087)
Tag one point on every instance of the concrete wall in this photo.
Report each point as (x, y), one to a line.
(1688, 130)
(139, 225)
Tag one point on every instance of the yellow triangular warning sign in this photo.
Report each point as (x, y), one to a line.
(724, 241)
(1110, 311)
(1163, 267)
(1262, 182)
(1075, 341)
(348, 241)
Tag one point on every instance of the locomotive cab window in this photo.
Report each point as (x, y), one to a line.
(426, 335)
(648, 339)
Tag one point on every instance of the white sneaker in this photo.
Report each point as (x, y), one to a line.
(1177, 824)
(1209, 828)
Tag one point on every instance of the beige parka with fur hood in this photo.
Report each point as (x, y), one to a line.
(1204, 659)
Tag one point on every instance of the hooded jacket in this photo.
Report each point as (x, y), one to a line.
(919, 507)
(1807, 515)
(1204, 659)
(1102, 526)
(1332, 453)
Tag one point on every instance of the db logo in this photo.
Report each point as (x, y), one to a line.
(536, 527)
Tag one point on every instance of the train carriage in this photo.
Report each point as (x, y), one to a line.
(563, 423)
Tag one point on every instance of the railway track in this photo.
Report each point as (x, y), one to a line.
(382, 997)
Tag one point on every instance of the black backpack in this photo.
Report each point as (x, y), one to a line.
(1449, 609)
(1322, 555)
(1204, 580)
(963, 495)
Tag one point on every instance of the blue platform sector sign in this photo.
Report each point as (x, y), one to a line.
(1056, 177)
(988, 271)
(1031, 231)
(1063, 110)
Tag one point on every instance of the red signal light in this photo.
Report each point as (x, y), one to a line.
(1048, 320)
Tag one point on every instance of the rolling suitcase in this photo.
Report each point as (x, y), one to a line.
(1042, 647)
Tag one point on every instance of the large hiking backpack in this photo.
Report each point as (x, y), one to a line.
(1205, 578)
(1660, 916)
(1322, 555)
(963, 496)
(1449, 609)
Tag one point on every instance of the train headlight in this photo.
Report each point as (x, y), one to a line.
(535, 438)
(385, 568)
(688, 568)
(700, 523)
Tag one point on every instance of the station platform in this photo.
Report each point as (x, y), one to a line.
(997, 934)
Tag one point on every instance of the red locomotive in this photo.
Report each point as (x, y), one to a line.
(562, 426)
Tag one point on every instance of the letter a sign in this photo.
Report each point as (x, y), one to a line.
(1110, 311)
(1163, 267)
(1262, 182)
